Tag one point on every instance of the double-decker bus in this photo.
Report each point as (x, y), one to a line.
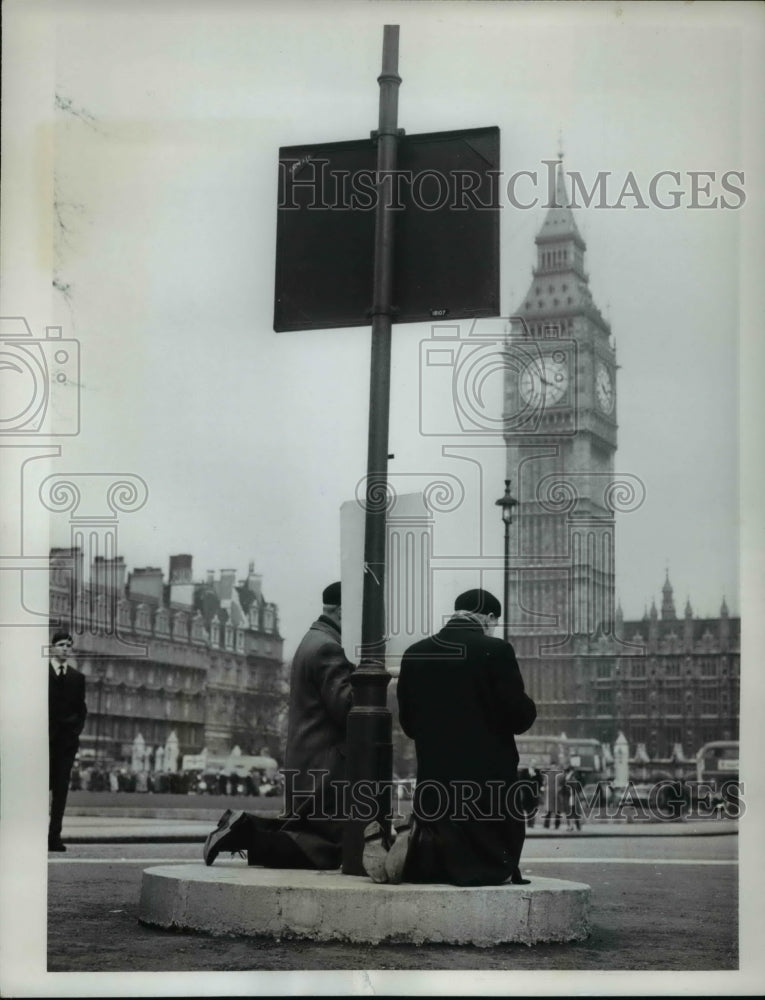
(583, 755)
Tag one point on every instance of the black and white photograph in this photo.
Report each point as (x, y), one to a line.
(382, 496)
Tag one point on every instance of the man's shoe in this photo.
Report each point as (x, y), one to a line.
(396, 858)
(376, 846)
(517, 879)
(383, 858)
(56, 845)
(227, 836)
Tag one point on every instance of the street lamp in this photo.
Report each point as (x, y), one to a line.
(506, 503)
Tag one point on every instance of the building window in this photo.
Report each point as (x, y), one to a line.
(709, 701)
(604, 669)
(639, 699)
(708, 668)
(604, 701)
(143, 618)
(672, 669)
(638, 669)
(673, 701)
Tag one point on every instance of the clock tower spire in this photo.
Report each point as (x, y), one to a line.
(560, 432)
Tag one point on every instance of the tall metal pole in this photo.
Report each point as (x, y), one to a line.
(370, 750)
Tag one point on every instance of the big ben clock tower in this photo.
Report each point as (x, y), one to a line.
(560, 432)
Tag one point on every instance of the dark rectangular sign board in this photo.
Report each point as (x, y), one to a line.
(445, 199)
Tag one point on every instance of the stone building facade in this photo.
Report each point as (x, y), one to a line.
(203, 660)
(682, 689)
(663, 681)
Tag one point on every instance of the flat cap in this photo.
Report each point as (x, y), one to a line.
(480, 602)
(331, 594)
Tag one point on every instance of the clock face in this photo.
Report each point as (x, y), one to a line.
(604, 389)
(544, 381)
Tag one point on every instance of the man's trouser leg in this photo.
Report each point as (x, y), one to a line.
(279, 843)
(60, 766)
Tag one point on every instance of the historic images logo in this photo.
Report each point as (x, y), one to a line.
(461, 800)
(40, 400)
(39, 381)
(462, 190)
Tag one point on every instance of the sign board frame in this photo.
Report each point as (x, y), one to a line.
(445, 200)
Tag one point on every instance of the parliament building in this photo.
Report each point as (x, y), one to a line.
(666, 682)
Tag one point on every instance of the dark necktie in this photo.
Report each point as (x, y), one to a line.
(61, 671)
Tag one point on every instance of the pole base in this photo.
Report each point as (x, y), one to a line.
(230, 898)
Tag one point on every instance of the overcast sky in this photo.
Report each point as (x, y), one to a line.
(249, 441)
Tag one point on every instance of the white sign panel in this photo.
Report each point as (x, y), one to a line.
(408, 616)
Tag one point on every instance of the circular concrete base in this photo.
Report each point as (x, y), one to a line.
(230, 898)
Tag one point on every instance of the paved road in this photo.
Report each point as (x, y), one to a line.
(125, 829)
(663, 903)
(103, 816)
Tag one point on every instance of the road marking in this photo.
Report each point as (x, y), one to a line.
(526, 863)
(126, 861)
(624, 861)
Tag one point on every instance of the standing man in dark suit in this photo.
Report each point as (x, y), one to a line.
(310, 834)
(461, 698)
(66, 717)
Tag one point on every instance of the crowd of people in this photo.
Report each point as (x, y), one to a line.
(122, 779)
(553, 794)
